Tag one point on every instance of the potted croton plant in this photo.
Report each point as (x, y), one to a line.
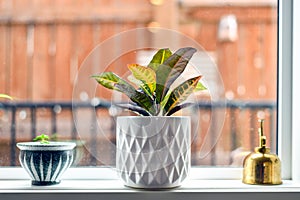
(45, 161)
(153, 149)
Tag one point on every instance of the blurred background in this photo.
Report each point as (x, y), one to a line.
(43, 43)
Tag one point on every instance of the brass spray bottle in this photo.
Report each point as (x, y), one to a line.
(261, 167)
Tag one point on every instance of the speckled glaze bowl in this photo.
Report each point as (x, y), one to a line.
(45, 163)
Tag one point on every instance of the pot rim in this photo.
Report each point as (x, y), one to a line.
(52, 146)
(175, 117)
(150, 126)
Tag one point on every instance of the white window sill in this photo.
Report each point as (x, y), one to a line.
(114, 189)
(15, 183)
(104, 186)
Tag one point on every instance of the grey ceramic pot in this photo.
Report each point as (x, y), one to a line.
(45, 163)
(153, 152)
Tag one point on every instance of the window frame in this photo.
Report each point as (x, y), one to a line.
(295, 93)
(285, 88)
(288, 110)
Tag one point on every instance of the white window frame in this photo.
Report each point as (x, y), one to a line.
(295, 93)
(288, 110)
(285, 53)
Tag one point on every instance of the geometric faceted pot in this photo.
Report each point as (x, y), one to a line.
(153, 152)
(45, 163)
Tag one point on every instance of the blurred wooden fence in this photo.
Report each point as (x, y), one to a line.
(43, 43)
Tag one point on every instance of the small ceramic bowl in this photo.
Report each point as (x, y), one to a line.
(45, 163)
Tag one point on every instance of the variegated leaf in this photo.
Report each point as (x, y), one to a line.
(180, 93)
(134, 108)
(132, 79)
(114, 82)
(108, 80)
(5, 96)
(199, 87)
(170, 70)
(145, 74)
(178, 107)
(141, 85)
(137, 96)
(159, 58)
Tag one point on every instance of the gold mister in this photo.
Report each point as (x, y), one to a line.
(261, 167)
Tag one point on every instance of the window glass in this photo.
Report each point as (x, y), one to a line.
(44, 44)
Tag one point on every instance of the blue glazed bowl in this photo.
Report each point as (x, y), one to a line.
(45, 163)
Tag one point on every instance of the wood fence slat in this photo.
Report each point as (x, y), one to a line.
(270, 60)
(84, 46)
(207, 36)
(63, 61)
(19, 72)
(42, 87)
(252, 57)
(3, 63)
(84, 41)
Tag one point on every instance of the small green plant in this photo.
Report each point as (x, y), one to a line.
(43, 139)
(153, 96)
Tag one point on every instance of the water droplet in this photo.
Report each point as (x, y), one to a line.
(229, 95)
(84, 96)
(22, 114)
(57, 109)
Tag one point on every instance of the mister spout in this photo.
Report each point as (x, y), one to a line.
(262, 137)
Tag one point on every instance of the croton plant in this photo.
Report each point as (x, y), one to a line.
(150, 93)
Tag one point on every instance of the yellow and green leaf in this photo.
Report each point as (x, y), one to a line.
(141, 85)
(159, 58)
(199, 87)
(112, 81)
(108, 80)
(145, 78)
(178, 107)
(181, 93)
(5, 96)
(170, 70)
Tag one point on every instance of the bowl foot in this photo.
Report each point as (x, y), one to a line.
(44, 183)
(157, 188)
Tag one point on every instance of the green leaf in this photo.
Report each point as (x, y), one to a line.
(141, 85)
(170, 70)
(5, 96)
(114, 82)
(199, 87)
(146, 75)
(164, 101)
(135, 81)
(179, 107)
(181, 93)
(159, 58)
(42, 138)
(134, 108)
(138, 97)
(108, 80)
